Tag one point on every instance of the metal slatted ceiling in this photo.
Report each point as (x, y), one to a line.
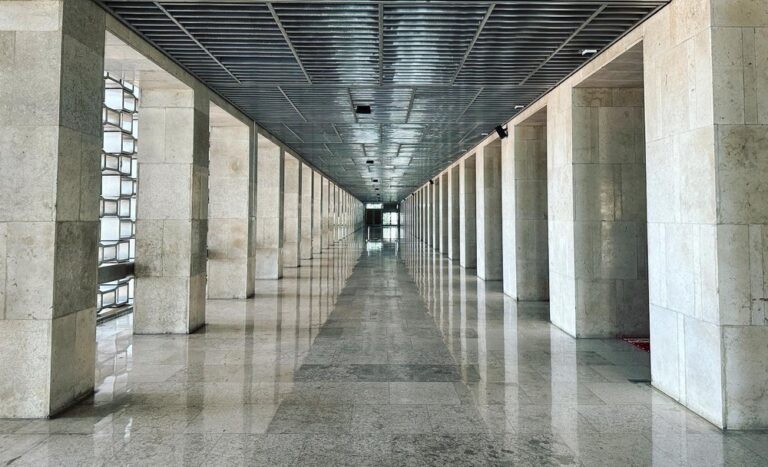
(438, 75)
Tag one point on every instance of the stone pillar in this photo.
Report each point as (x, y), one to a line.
(269, 209)
(488, 205)
(231, 210)
(467, 217)
(172, 210)
(454, 235)
(429, 228)
(524, 199)
(291, 211)
(443, 213)
(334, 213)
(707, 170)
(307, 210)
(51, 70)
(317, 213)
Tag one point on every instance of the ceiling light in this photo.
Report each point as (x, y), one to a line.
(375, 180)
(587, 52)
(369, 161)
(363, 109)
(518, 107)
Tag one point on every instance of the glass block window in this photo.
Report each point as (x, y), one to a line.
(117, 242)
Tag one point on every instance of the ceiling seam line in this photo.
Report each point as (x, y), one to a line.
(293, 132)
(288, 40)
(280, 88)
(474, 40)
(562, 46)
(482, 88)
(193, 39)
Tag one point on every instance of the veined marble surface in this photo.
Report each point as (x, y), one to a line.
(373, 353)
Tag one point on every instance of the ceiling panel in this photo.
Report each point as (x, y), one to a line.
(438, 75)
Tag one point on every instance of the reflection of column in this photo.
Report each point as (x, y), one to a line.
(482, 342)
(307, 211)
(231, 207)
(269, 210)
(467, 243)
(172, 211)
(50, 140)
(291, 211)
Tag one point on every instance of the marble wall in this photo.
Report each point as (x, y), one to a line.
(443, 213)
(524, 181)
(307, 210)
(291, 211)
(453, 212)
(467, 213)
(488, 208)
(50, 140)
(609, 199)
(269, 209)
(231, 207)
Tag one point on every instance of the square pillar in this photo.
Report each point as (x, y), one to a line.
(435, 189)
(317, 213)
(467, 213)
(231, 210)
(291, 211)
(443, 213)
(307, 210)
(51, 70)
(172, 208)
(270, 170)
(524, 200)
(707, 177)
(454, 235)
(488, 205)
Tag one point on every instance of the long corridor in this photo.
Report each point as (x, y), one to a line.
(380, 352)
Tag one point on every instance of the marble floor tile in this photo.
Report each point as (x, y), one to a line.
(373, 354)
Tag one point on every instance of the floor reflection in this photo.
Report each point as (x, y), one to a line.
(379, 352)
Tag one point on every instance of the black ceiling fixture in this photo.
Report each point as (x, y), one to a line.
(501, 131)
(369, 161)
(439, 73)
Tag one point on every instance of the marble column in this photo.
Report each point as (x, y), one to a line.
(707, 179)
(291, 211)
(429, 227)
(317, 213)
(524, 200)
(269, 209)
(231, 209)
(172, 210)
(454, 234)
(51, 70)
(488, 206)
(443, 210)
(307, 210)
(467, 213)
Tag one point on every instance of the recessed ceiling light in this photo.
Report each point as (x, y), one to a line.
(587, 52)
(363, 109)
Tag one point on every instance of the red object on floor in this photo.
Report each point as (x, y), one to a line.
(642, 343)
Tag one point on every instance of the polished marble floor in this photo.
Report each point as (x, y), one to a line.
(379, 352)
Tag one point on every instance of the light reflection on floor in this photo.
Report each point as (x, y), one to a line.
(380, 352)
